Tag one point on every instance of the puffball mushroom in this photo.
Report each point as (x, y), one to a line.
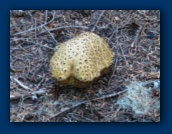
(81, 60)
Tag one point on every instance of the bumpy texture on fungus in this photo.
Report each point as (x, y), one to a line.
(80, 60)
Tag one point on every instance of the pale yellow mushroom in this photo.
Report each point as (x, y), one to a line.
(80, 60)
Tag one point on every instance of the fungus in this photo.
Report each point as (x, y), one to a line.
(81, 60)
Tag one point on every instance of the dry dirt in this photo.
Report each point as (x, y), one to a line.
(134, 36)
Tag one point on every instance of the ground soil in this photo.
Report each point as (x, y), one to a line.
(134, 36)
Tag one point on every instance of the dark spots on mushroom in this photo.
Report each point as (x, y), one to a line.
(94, 46)
(81, 56)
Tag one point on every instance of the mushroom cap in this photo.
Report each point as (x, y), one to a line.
(81, 58)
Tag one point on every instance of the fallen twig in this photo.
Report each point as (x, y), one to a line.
(123, 54)
(114, 31)
(62, 27)
(31, 29)
(27, 95)
(98, 20)
(120, 46)
(50, 34)
(46, 15)
(35, 29)
(21, 84)
(86, 101)
(136, 37)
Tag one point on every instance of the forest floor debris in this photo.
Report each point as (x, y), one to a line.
(134, 36)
